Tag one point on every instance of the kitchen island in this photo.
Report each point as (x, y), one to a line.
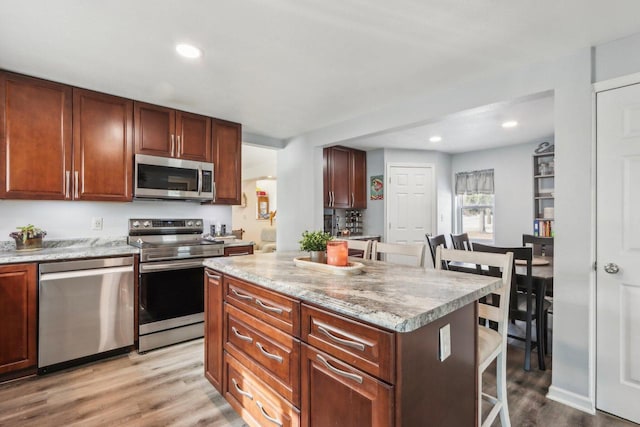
(394, 346)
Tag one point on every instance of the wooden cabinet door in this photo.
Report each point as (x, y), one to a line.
(213, 328)
(193, 137)
(18, 317)
(154, 130)
(359, 179)
(326, 182)
(227, 159)
(35, 138)
(336, 394)
(340, 177)
(102, 146)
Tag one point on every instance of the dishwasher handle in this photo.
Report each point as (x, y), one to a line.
(84, 273)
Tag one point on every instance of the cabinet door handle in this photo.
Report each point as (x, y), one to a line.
(349, 343)
(77, 185)
(275, 357)
(264, 414)
(241, 391)
(356, 378)
(212, 276)
(239, 335)
(178, 152)
(173, 141)
(333, 198)
(353, 200)
(268, 307)
(68, 186)
(240, 253)
(241, 296)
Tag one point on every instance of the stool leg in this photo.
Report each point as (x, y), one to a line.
(501, 386)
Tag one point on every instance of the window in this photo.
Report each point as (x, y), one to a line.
(475, 201)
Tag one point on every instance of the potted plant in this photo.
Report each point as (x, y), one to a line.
(315, 242)
(29, 237)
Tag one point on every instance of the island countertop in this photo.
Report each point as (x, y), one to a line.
(396, 297)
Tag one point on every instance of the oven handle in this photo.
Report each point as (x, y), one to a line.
(144, 268)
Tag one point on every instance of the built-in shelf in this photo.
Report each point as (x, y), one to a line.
(543, 190)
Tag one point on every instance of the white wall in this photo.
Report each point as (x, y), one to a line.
(300, 167)
(617, 58)
(246, 217)
(67, 219)
(373, 216)
(513, 179)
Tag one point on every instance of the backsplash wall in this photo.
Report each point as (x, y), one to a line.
(67, 219)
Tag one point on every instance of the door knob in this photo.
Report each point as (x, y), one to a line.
(611, 268)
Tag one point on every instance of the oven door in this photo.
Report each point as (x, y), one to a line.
(168, 178)
(171, 294)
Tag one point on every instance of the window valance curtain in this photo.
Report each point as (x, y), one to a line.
(475, 182)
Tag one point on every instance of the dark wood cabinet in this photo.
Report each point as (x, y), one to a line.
(18, 317)
(162, 131)
(213, 362)
(227, 160)
(238, 250)
(345, 175)
(102, 146)
(35, 138)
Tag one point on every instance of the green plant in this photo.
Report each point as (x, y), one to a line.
(27, 232)
(314, 241)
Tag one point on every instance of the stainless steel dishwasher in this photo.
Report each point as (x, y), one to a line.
(85, 308)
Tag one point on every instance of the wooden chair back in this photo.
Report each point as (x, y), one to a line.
(501, 262)
(412, 250)
(461, 242)
(542, 246)
(435, 241)
(361, 245)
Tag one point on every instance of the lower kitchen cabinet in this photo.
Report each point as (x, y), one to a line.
(238, 250)
(213, 328)
(18, 317)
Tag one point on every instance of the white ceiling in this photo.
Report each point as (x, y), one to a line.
(285, 67)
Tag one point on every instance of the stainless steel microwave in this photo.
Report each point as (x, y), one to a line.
(174, 179)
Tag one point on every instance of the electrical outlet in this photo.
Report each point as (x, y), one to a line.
(96, 223)
(445, 342)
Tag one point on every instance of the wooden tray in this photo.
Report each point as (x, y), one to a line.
(351, 269)
(534, 262)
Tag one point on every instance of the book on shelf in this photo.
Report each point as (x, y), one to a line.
(543, 228)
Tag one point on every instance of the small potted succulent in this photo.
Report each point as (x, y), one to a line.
(29, 237)
(315, 242)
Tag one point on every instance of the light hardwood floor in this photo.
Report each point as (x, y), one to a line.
(167, 387)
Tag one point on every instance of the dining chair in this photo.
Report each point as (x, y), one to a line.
(542, 246)
(406, 250)
(363, 248)
(492, 344)
(435, 241)
(527, 304)
(461, 242)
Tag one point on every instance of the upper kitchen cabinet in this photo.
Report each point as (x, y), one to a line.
(162, 131)
(227, 160)
(345, 175)
(102, 146)
(35, 138)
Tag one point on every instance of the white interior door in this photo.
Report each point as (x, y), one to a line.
(618, 252)
(410, 204)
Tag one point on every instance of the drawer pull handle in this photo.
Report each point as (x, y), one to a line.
(212, 276)
(269, 355)
(239, 335)
(356, 378)
(241, 391)
(264, 414)
(268, 307)
(355, 344)
(239, 253)
(241, 296)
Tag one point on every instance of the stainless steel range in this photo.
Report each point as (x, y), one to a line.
(171, 279)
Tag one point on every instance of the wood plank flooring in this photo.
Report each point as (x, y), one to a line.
(167, 387)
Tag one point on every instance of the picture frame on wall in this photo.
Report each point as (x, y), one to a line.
(376, 187)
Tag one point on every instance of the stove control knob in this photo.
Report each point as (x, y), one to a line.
(189, 223)
(136, 224)
(146, 224)
(198, 223)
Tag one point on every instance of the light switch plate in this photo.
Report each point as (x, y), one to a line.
(96, 223)
(445, 342)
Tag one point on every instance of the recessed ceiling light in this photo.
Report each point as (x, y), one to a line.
(188, 51)
(510, 124)
(435, 138)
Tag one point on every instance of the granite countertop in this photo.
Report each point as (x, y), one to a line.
(395, 297)
(55, 250)
(360, 237)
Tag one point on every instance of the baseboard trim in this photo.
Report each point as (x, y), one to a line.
(572, 399)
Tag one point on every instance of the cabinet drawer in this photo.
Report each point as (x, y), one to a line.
(258, 405)
(365, 347)
(273, 355)
(270, 307)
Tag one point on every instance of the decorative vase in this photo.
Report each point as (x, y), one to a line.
(29, 245)
(318, 256)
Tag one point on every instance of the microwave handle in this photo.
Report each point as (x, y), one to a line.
(199, 180)
(214, 191)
